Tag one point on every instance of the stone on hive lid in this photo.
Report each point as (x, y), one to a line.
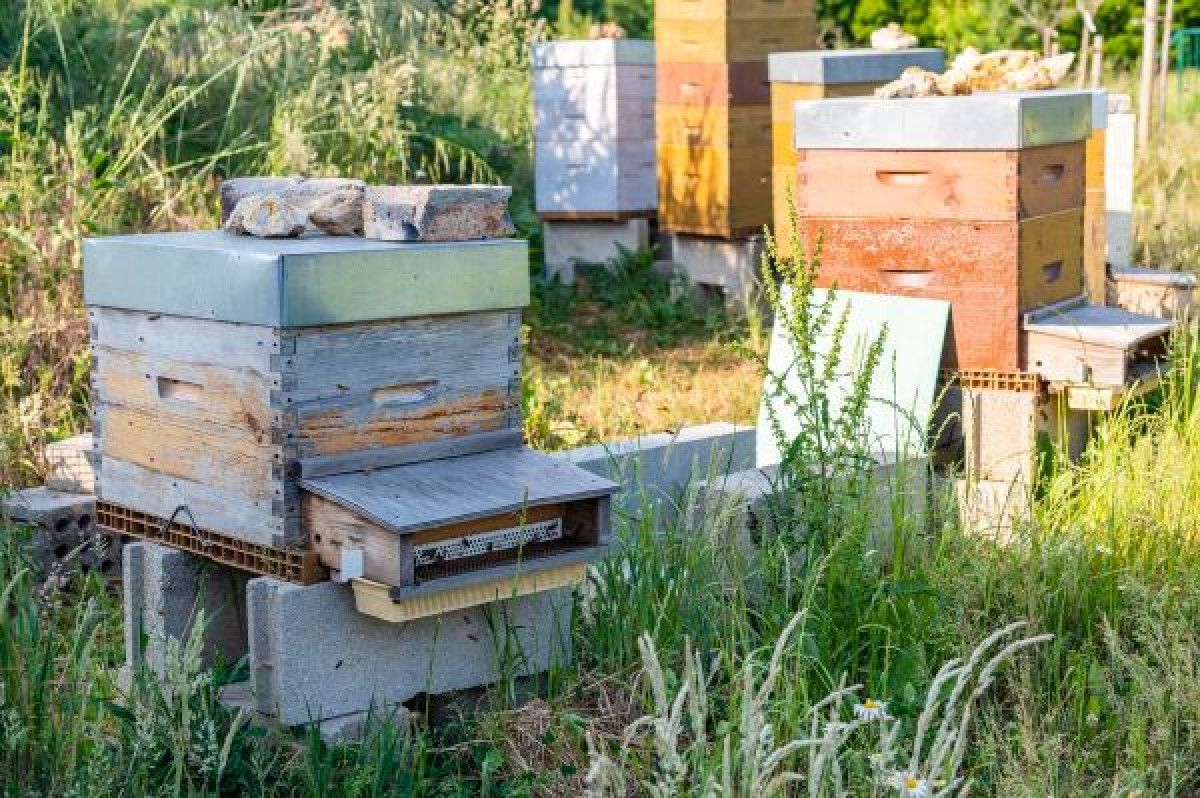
(306, 193)
(436, 213)
(267, 216)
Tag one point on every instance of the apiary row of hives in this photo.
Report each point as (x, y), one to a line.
(294, 407)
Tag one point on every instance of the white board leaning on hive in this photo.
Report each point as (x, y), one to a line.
(902, 388)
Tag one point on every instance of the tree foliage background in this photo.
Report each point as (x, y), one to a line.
(953, 24)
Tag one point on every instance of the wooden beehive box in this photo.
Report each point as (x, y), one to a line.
(989, 272)
(734, 9)
(423, 523)
(1094, 353)
(730, 39)
(1095, 242)
(594, 128)
(228, 368)
(714, 191)
(976, 200)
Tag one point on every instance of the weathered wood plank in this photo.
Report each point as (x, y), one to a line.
(197, 451)
(698, 41)
(236, 346)
(228, 512)
(237, 398)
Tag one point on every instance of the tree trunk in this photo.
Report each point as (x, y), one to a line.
(1146, 84)
(1164, 67)
(1097, 61)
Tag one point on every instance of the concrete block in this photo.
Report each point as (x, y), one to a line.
(1119, 157)
(994, 509)
(657, 471)
(64, 535)
(567, 243)
(436, 213)
(828, 67)
(165, 589)
(1168, 295)
(1001, 433)
(732, 266)
(314, 657)
(69, 465)
(352, 728)
(744, 507)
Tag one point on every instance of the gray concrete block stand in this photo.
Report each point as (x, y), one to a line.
(64, 536)
(568, 243)
(314, 656)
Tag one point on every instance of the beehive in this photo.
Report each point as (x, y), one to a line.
(594, 129)
(976, 200)
(822, 74)
(714, 132)
(226, 369)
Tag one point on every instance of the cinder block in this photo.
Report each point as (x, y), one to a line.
(994, 509)
(733, 266)
(165, 590)
(656, 471)
(743, 507)
(314, 657)
(352, 728)
(1002, 432)
(64, 537)
(567, 243)
(69, 466)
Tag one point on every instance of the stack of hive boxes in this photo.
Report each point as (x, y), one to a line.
(290, 406)
(816, 75)
(714, 115)
(594, 147)
(978, 201)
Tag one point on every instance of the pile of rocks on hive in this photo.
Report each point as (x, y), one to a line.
(287, 207)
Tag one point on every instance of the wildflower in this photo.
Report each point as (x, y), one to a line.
(911, 786)
(871, 710)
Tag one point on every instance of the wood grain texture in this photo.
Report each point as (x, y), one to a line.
(722, 126)
(698, 41)
(200, 341)
(711, 83)
(988, 271)
(979, 185)
(713, 191)
(381, 385)
(215, 509)
(736, 9)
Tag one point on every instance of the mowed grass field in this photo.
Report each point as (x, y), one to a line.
(840, 652)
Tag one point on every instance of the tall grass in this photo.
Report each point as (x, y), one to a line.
(118, 117)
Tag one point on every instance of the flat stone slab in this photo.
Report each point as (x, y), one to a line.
(306, 193)
(436, 213)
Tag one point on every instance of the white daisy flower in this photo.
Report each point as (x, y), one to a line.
(911, 786)
(871, 710)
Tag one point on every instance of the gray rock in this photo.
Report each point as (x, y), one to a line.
(267, 216)
(436, 213)
(304, 192)
(338, 213)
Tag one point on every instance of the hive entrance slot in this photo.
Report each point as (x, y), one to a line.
(1052, 271)
(179, 390)
(1052, 173)
(891, 177)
